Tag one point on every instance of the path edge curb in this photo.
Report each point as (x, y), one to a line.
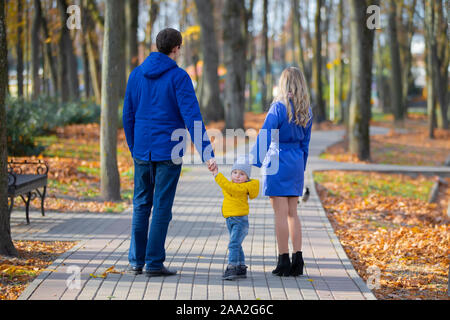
(345, 260)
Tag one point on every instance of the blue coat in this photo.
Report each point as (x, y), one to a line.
(160, 99)
(283, 163)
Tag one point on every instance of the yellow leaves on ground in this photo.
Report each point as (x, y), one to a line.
(74, 171)
(401, 234)
(412, 148)
(34, 257)
(111, 269)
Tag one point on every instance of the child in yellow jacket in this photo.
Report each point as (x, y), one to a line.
(235, 210)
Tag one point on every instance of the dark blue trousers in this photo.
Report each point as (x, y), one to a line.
(155, 185)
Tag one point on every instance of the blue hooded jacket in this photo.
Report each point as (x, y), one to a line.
(160, 99)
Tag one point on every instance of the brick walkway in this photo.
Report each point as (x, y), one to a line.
(196, 247)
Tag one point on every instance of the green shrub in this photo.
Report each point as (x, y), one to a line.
(27, 120)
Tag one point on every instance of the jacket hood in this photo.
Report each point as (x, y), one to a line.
(157, 64)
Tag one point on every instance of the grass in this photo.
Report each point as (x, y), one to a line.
(358, 185)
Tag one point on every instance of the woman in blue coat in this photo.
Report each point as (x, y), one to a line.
(281, 150)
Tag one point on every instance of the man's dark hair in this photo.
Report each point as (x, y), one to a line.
(167, 39)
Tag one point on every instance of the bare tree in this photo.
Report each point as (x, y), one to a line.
(6, 244)
(113, 56)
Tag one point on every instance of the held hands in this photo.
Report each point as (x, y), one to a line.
(212, 166)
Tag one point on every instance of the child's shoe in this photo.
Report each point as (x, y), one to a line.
(242, 271)
(231, 273)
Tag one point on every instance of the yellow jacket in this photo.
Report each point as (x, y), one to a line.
(235, 195)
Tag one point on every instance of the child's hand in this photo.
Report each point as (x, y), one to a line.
(215, 171)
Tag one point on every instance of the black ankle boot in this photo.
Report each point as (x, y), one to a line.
(297, 264)
(283, 266)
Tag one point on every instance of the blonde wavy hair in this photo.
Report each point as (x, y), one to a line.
(292, 88)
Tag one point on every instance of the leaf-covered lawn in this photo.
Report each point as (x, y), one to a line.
(411, 148)
(74, 176)
(384, 220)
(34, 257)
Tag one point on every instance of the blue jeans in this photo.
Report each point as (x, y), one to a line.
(238, 229)
(155, 185)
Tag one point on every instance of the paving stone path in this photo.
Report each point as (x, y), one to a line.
(196, 247)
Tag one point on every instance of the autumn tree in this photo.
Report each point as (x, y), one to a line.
(6, 244)
(113, 56)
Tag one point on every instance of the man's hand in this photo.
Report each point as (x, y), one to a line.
(212, 165)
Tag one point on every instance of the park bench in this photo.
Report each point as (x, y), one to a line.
(27, 185)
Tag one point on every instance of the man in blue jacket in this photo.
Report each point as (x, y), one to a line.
(159, 99)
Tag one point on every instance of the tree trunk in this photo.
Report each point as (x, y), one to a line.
(35, 51)
(431, 55)
(86, 77)
(132, 15)
(405, 39)
(90, 37)
(113, 55)
(210, 102)
(442, 53)
(48, 53)
(19, 48)
(6, 244)
(320, 114)
(340, 66)
(396, 67)
(361, 73)
(383, 87)
(265, 48)
(153, 14)
(251, 52)
(66, 46)
(297, 35)
(234, 59)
